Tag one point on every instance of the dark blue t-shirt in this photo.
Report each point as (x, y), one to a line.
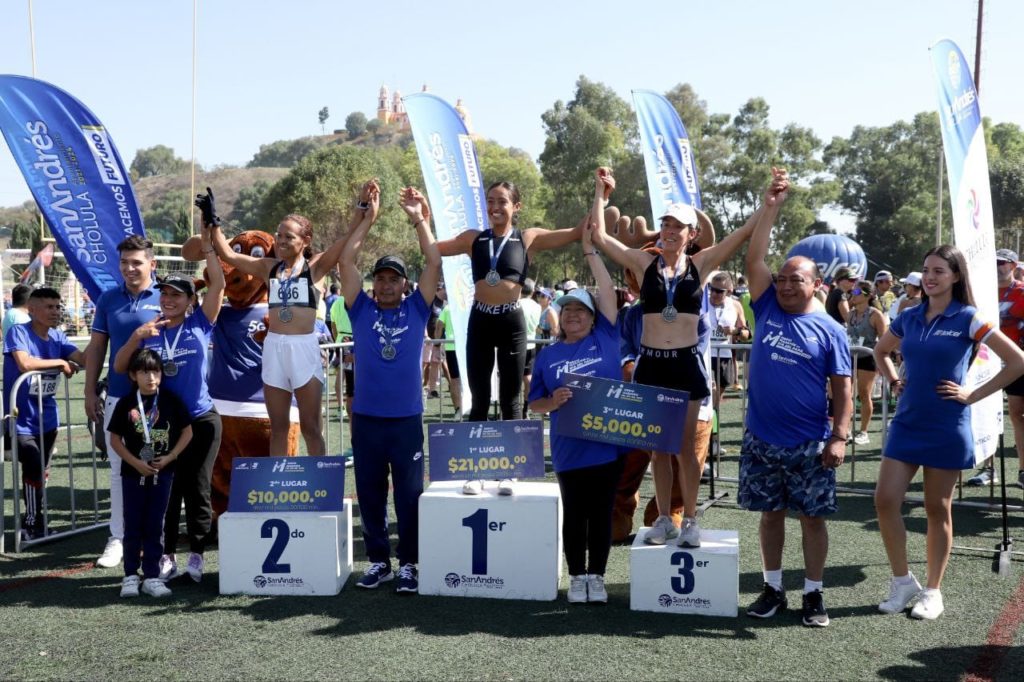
(20, 337)
(237, 356)
(391, 388)
(118, 314)
(791, 360)
(597, 354)
(192, 358)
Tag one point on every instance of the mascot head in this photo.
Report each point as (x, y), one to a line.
(241, 290)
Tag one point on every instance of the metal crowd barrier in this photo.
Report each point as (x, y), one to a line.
(10, 420)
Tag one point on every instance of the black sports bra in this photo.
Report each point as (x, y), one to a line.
(512, 262)
(301, 293)
(688, 294)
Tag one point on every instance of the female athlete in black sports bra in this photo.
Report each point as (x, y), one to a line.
(672, 286)
(291, 353)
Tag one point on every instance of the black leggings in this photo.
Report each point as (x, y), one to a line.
(192, 474)
(505, 332)
(587, 497)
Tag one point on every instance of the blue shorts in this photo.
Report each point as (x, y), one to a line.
(773, 478)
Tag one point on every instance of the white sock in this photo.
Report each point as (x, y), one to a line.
(774, 578)
(907, 579)
(812, 585)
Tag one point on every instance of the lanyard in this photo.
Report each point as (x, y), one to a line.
(670, 287)
(388, 334)
(285, 285)
(147, 419)
(172, 347)
(501, 247)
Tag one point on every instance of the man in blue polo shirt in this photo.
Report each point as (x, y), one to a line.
(387, 411)
(37, 345)
(119, 312)
(790, 451)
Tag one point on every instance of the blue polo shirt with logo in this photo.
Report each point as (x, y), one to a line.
(118, 314)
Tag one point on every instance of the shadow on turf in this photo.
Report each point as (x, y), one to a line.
(948, 663)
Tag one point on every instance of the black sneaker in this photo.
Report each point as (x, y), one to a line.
(813, 610)
(408, 582)
(770, 601)
(379, 572)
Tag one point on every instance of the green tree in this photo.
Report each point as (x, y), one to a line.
(322, 117)
(887, 178)
(157, 160)
(374, 126)
(246, 212)
(168, 219)
(324, 186)
(1006, 178)
(355, 124)
(284, 153)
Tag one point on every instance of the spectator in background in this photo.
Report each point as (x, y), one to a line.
(30, 346)
(341, 325)
(837, 303)
(911, 295)
(743, 294)
(883, 290)
(547, 326)
(433, 354)
(18, 312)
(728, 325)
(531, 312)
(865, 325)
(446, 331)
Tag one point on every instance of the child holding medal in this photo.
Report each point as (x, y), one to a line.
(291, 353)
(149, 429)
(181, 337)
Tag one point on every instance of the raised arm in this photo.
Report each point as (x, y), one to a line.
(324, 262)
(351, 277)
(215, 278)
(415, 205)
(711, 258)
(759, 277)
(633, 259)
(606, 290)
(257, 267)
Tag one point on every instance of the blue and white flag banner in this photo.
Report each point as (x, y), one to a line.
(963, 139)
(458, 203)
(75, 174)
(668, 158)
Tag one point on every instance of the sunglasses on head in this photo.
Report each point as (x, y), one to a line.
(716, 290)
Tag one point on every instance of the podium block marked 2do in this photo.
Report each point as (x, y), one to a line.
(670, 579)
(488, 545)
(285, 553)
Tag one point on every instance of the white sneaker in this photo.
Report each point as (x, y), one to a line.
(596, 591)
(155, 588)
(690, 534)
(929, 605)
(168, 568)
(661, 531)
(474, 487)
(900, 595)
(130, 586)
(577, 589)
(195, 566)
(112, 554)
(861, 438)
(507, 486)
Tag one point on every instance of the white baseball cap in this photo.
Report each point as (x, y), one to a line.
(684, 213)
(913, 278)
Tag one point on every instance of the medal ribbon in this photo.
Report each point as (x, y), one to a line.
(285, 284)
(501, 247)
(388, 334)
(670, 285)
(147, 419)
(170, 349)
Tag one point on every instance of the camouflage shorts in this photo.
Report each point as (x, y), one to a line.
(774, 478)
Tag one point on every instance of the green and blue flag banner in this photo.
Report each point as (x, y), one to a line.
(75, 174)
(963, 140)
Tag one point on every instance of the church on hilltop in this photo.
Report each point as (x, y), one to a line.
(391, 110)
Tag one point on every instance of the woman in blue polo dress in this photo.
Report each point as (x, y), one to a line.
(939, 340)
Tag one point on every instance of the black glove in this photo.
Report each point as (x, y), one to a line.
(205, 203)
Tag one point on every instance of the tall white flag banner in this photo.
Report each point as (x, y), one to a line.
(963, 140)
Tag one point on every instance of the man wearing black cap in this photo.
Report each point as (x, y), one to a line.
(387, 411)
(1011, 323)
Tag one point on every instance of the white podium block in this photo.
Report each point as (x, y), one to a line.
(297, 553)
(671, 579)
(488, 545)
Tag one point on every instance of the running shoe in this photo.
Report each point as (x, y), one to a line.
(168, 567)
(689, 536)
(769, 603)
(130, 586)
(596, 592)
(474, 487)
(813, 613)
(195, 566)
(408, 579)
(577, 589)
(929, 605)
(154, 587)
(900, 595)
(112, 554)
(661, 531)
(379, 572)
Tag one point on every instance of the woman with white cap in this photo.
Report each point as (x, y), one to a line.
(671, 297)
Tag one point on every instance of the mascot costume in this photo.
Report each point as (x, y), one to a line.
(236, 362)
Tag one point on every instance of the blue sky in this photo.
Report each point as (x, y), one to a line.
(266, 68)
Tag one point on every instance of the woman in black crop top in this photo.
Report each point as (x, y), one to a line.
(671, 293)
(291, 353)
(500, 257)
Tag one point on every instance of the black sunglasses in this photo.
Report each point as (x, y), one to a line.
(716, 290)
